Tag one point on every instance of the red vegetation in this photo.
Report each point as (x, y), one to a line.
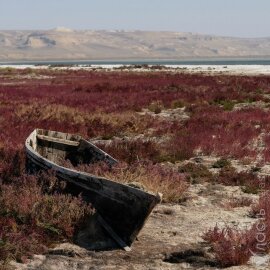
(105, 105)
(77, 101)
(131, 151)
(38, 219)
(249, 181)
(231, 246)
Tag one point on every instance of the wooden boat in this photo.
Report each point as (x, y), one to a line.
(122, 209)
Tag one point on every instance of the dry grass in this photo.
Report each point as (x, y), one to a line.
(196, 173)
(151, 177)
(94, 124)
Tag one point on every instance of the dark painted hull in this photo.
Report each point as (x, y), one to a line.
(125, 209)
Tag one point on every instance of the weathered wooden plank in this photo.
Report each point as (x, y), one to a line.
(57, 140)
(97, 152)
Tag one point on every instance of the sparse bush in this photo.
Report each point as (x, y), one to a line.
(228, 105)
(262, 204)
(179, 147)
(132, 150)
(231, 246)
(156, 107)
(178, 104)
(12, 163)
(196, 173)
(37, 220)
(221, 163)
(248, 180)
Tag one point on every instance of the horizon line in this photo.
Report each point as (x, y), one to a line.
(68, 29)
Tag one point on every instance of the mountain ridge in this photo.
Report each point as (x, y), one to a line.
(63, 43)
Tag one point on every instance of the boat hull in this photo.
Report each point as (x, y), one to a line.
(125, 209)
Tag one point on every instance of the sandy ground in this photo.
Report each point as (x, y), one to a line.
(226, 69)
(170, 240)
(209, 69)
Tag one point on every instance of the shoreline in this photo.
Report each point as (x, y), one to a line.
(208, 69)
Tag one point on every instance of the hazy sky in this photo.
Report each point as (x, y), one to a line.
(245, 18)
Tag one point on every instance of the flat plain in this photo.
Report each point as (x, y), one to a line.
(200, 139)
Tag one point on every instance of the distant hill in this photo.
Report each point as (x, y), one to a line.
(66, 44)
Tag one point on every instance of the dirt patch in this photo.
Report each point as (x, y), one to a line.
(171, 238)
(195, 257)
(178, 114)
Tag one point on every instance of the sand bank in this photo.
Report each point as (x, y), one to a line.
(209, 69)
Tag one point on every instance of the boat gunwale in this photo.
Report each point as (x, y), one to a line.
(74, 138)
(77, 173)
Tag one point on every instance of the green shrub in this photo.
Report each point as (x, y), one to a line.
(196, 173)
(179, 103)
(221, 163)
(228, 105)
(156, 106)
